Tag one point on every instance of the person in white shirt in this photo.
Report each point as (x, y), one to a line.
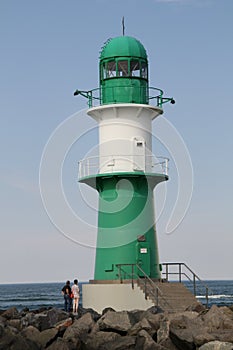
(75, 291)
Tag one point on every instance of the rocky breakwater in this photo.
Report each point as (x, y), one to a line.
(55, 329)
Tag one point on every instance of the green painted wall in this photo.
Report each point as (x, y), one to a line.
(126, 211)
(124, 90)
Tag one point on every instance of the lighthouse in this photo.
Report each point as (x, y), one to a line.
(125, 174)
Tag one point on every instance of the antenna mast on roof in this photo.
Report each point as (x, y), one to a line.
(123, 25)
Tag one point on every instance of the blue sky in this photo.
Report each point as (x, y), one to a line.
(51, 48)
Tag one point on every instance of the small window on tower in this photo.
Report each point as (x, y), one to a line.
(135, 68)
(139, 144)
(111, 69)
(123, 68)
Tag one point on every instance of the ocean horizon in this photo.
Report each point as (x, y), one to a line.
(48, 294)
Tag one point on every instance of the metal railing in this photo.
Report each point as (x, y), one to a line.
(150, 288)
(183, 272)
(121, 163)
(94, 96)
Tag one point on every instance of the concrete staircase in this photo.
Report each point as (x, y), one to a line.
(170, 296)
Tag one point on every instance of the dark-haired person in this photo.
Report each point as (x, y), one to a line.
(66, 291)
(75, 291)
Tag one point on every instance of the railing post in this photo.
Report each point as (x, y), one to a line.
(179, 272)
(89, 99)
(167, 272)
(79, 169)
(166, 166)
(207, 297)
(194, 285)
(145, 288)
(157, 296)
(132, 276)
(88, 167)
(119, 269)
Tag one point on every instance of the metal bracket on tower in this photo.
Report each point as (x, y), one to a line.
(88, 95)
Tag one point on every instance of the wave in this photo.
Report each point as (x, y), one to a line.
(216, 296)
(17, 300)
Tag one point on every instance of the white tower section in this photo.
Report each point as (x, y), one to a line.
(125, 141)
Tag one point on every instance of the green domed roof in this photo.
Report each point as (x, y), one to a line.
(123, 46)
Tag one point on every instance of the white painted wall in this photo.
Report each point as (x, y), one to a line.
(118, 296)
(122, 127)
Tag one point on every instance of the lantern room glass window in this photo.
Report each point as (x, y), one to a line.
(123, 68)
(135, 68)
(111, 69)
(144, 70)
(104, 71)
(131, 67)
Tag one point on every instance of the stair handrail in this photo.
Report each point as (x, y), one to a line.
(155, 288)
(193, 279)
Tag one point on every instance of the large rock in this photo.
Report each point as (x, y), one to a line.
(122, 343)
(79, 329)
(96, 340)
(10, 313)
(197, 307)
(191, 315)
(154, 320)
(218, 318)
(95, 315)
(48, 336)
(182, 331)
(115, 321)
(43, 320)
(31, 333)
(20, 343)
(168, 344)
(6, 337)
(62, 325)
(227, 311)
(224, 335)
(189, 333)
(163, 331)
(203, 337)
(14, 341)
(15, 323)
(60, 344)
(163, 338)
(27, 320)
(47, 319)
(136, 315)
(137, 327)
(217, 345)
(145, 342)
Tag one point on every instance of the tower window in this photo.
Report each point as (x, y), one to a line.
(144, 71)
(135, 68)
(123, 68)
(111, 69)
(131, 67)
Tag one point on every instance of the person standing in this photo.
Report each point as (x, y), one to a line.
(66, 291)
(75, 291)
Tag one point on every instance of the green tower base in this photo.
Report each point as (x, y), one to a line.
(126, 225)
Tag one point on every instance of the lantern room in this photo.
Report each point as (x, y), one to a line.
(123, 71)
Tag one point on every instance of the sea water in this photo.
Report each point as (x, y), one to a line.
(33, 295)
(39, 295)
